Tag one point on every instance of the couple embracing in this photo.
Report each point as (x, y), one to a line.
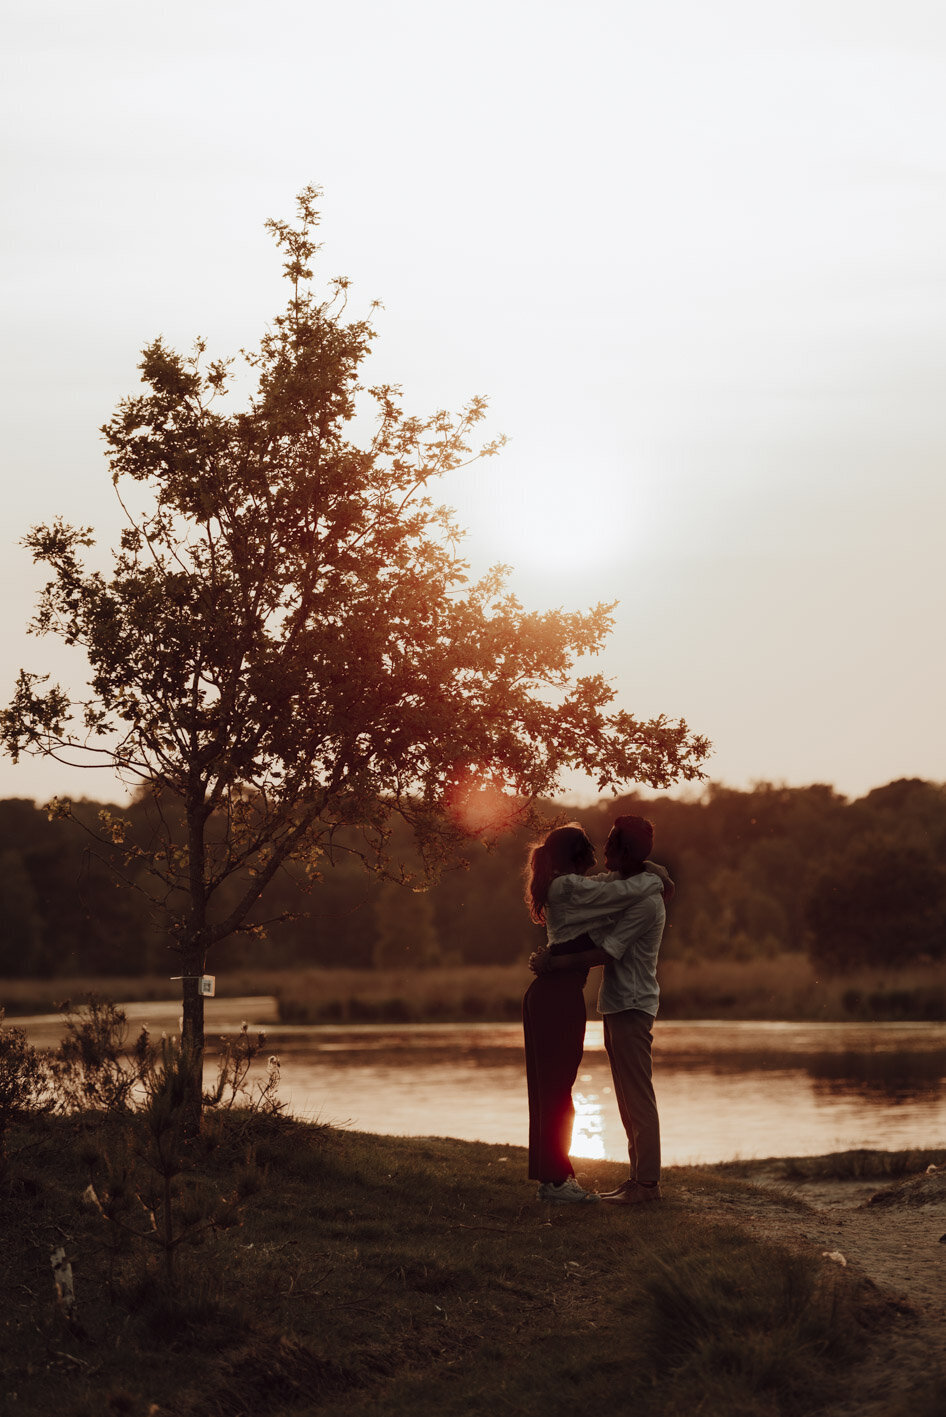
(615, 919)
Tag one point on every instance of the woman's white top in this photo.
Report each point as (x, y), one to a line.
(576, 903)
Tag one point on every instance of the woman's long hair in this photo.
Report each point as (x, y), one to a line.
(565, 851)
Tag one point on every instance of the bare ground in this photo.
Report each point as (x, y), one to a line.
(895, 1237)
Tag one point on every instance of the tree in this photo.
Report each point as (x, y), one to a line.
(878, 903)
(287, 649)
(405, 933)
(21, 930)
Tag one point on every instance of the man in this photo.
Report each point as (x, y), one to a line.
(628, 1001)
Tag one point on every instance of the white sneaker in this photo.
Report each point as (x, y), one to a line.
(567, 1192)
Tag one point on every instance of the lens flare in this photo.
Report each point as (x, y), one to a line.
(482, 806)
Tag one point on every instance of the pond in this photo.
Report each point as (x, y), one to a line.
(725, 1090)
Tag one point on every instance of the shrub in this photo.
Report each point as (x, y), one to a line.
(92, 1070)
(24, 1082)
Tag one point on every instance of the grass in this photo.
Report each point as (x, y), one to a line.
(464, 993)
(858, 1165)
(782, 987)
(42, 996)
(380, 1276)
(787, 986)
(862, 1165)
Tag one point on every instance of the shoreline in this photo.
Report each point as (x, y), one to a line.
(327, 1069)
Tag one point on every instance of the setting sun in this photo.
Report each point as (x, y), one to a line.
(550, 514)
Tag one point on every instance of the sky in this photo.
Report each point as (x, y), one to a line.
(694, 255)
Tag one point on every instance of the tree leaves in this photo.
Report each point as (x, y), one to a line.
(288, 641)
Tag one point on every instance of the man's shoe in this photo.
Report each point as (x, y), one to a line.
(633, 1193)
(567, 1192)
(618, 1190)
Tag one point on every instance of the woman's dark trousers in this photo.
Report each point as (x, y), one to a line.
(553, 1019)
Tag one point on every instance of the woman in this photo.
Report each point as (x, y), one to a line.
(561, 896)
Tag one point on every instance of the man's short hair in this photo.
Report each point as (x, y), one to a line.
(632, 837)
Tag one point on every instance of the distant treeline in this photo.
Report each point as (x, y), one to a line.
(759, 873)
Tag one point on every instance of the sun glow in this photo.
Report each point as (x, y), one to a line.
(588, 1133)
(547, 514)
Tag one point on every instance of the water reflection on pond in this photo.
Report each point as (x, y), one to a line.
(725, 1090)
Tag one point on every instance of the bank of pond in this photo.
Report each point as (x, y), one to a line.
(324, 1270)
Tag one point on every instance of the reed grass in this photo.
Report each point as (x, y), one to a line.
(862, 1165)
(382, 1277)
(781, 987)
(463, 993)
(43, 996)
(788, 987)
(784, 987)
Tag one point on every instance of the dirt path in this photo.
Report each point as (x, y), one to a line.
(896, 1237)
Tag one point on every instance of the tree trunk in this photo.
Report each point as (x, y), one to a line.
(192, 1033)
(194, 954)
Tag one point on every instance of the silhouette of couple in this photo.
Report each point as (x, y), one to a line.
(615, 919)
